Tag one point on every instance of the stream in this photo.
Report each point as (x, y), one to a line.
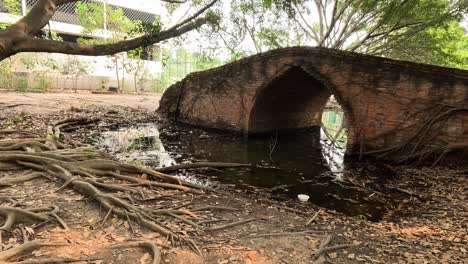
(283, 165)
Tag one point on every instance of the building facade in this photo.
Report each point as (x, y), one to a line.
(66, 24)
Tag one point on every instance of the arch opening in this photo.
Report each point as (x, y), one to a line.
(333, 134)
(297, 102)
(294, 100)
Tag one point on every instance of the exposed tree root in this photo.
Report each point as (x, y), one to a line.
(17, 132)
(422, 147)
(313, 217)
(282, 234)
(54, 130)
(9, 181)
(215, 228)
(202, 165)
(52, 261)
(156, 254)
(15, 215)
(320, 255)
(8, 254)
(83, 170)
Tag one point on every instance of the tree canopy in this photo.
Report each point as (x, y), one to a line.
(425, 31)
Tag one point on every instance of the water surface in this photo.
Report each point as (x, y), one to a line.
(283, 164)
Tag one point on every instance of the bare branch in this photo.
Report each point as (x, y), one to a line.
(175, 1)
(198, 13)
(335, 18)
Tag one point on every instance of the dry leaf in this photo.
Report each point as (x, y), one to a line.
(144, 258)
(252, 255)
(29, 230)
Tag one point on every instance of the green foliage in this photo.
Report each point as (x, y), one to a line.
(73, 68)
(14, 121)
(177, 64)
(204, 61)
(33, 61)
(119, 27)
(251, 26)
(137, 163)
(213, 18)
(143, 28)
(52, 35)
(42, 82)
(7, 74)
(360, 217)
(90, 15)
(425, 31)
(445, 45)
(91, 18)
(12, 6)
(21, 84)
(272, 38)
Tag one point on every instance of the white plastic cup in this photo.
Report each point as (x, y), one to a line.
(303, 197)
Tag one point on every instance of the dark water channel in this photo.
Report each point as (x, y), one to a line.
(284, 165)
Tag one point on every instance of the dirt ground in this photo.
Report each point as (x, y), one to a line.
(46, 103)
(429, 226)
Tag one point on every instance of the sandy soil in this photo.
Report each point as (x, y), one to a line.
(429, 225)
(46, 103)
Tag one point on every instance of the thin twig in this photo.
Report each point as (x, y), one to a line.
(232, 224)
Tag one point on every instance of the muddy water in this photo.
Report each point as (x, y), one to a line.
(284, 165)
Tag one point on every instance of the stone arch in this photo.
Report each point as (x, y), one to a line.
(298, 105)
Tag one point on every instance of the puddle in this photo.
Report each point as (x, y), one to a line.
(285, 165)
(139, 145)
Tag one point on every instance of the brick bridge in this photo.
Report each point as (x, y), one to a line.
(386, 102)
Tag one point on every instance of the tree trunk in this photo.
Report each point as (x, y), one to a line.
(135, 77)
(10, 75)
(123, 73)
(117, 73)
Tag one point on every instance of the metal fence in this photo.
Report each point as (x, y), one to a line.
(66, 13)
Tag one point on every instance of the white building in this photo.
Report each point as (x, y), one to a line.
(66, 23)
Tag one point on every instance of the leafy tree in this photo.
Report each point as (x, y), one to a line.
(92, 19)
(117, 27)
(446, 45)
(9, 79)
(7, 73)
(137, 67)
(249, 23)
(418, 30)
(74, 68)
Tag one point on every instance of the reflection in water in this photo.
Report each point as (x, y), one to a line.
(284, 164)
(333, 139)
(139, 144)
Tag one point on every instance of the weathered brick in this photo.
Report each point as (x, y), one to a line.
(385, 101)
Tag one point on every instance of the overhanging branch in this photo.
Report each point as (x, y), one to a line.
(52, 46)
(20, 37)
